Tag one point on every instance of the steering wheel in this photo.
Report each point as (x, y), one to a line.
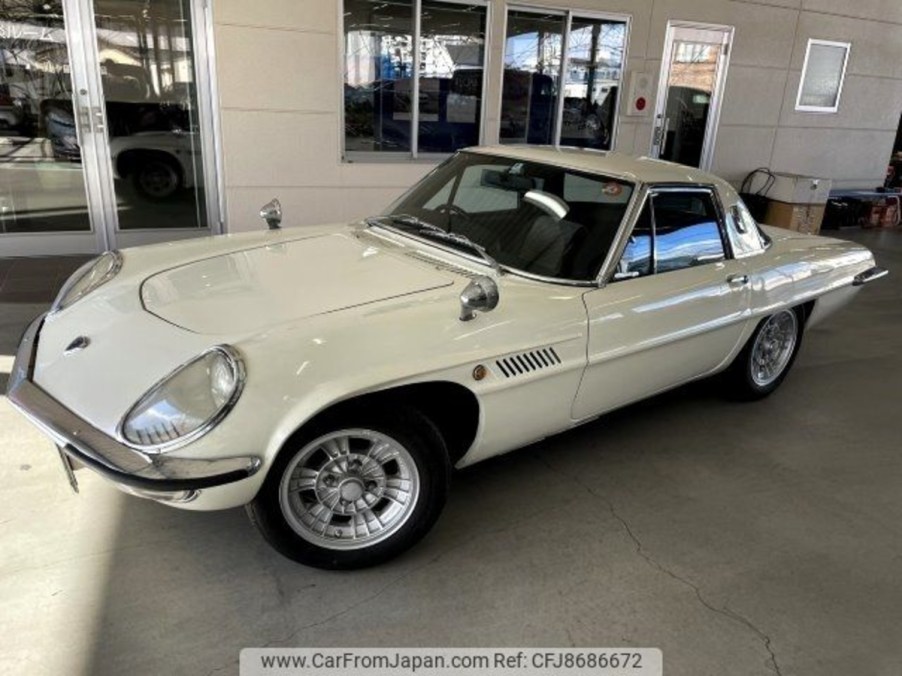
(453, 210)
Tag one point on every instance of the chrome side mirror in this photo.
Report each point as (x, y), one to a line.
(272, 214)
(480, 294)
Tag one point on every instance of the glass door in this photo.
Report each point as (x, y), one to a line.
(46, 199)
(690, 90)
(147, 65)
(108, 141)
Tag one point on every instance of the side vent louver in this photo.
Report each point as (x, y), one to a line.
(527, 362)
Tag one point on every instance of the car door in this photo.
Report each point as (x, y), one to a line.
(675, 305)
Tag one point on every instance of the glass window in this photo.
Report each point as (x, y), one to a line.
(534, 64)
(42, 186)
(150, 96)
(637, 256)
(378, 68)
(532, 67)
(592, 77)
(687, 231)
(452, 51)
(822, 76)
(522, 213)
(379, 75)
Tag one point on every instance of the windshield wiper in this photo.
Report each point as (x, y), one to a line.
(429, 230)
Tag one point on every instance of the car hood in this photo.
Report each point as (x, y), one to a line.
(248, 290)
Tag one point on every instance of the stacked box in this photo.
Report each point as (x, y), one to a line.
(798, 202)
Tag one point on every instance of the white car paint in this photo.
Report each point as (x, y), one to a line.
(325, 314)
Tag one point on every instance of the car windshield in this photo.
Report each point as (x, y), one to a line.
(538, 218)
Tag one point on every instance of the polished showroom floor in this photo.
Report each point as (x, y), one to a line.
(741, 539)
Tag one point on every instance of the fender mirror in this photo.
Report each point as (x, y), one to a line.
(481, 294)
(272, 214)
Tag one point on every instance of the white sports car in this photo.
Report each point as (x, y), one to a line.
(329, 378)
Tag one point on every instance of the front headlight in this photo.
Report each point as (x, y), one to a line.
(87, 278)
(188, 402)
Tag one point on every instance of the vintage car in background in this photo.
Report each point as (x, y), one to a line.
(331, 377)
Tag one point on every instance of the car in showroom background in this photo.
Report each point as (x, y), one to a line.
(330, 378)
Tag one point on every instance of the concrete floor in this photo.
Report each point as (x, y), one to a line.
(741, 539)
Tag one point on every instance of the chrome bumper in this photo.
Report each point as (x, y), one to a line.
(869, 275)
(117, 462)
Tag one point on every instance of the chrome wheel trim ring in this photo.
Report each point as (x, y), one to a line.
(773, 347)
(349, 489)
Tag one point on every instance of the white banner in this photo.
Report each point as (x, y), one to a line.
(451, 661)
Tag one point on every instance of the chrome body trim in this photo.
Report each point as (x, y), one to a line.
(81, 272)
(869, 275)
(104, 454)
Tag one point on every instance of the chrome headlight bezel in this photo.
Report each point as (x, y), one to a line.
(234, 360)
(63, 299)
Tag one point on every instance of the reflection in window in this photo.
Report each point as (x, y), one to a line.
(539, 218)
(532, 65)
(594, 66)
(42, 187)
(379, 75)
(637, 256)
(687, 232)
(378, 68)
(150, 97)
(592, 72)
(452, 49)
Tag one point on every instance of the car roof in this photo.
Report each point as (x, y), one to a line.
(618, 165)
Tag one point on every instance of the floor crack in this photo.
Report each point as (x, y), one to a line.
(642, 552)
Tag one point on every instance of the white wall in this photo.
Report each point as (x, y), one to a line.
(280, 89)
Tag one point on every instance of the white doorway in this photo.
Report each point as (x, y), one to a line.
(690, 92)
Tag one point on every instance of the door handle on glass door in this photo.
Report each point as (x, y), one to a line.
(98, 119)
(738, 280)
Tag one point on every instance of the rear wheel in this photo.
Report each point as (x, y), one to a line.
(356, 491)
(766, 359)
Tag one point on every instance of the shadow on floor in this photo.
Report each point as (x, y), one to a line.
(35, 279)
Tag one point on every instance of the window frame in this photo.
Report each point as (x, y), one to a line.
(799, 107)
(645, 196)
(413, 155)
(568, 15)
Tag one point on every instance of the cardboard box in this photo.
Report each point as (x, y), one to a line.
(796, 189)
(804, 218)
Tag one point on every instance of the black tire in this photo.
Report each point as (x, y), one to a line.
(412, 431)
(740, 380)
(156, 177)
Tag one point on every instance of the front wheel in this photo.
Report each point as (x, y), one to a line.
(354, 492)
(766, 359)
(157, 178)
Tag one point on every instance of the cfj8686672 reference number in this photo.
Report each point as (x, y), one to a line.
(452, 661)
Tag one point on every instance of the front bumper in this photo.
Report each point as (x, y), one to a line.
(129, 467)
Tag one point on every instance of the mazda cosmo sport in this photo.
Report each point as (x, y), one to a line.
(329, 378)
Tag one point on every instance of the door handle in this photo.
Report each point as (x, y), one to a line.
(98, 119)
(738, 280)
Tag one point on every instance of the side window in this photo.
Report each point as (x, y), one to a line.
(637, 256)
(687, 232)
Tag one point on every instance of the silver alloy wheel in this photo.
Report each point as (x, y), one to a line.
(349, 489)
(773, 347)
